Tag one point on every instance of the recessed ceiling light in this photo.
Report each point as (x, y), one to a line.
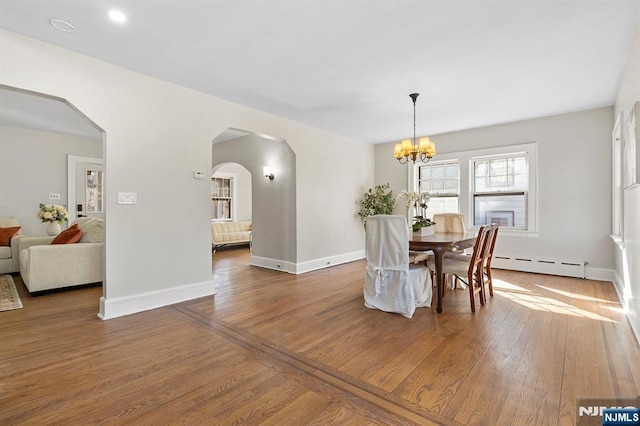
(117, 16)
(63, 25)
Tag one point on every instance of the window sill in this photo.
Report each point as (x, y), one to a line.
(505, 232)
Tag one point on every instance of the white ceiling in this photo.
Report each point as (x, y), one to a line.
(348, 66)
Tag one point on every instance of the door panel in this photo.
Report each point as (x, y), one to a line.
(89, 190)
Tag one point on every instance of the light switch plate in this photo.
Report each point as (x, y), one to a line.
(127, 198)
(54, 195)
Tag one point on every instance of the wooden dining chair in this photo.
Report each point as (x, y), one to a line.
(469, 269)
(490, 244)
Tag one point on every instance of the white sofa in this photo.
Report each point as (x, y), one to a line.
(45, 267)
(9, 256)
(225, 233)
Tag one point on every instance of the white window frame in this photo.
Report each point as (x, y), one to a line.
(233, 178)
(440, 161)
(465, 198)
(617, 189)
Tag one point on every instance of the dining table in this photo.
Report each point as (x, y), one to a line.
(440, 243)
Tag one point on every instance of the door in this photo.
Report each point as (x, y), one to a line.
(89, 190)
(86, 187)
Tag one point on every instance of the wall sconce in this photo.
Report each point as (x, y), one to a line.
(267, 172)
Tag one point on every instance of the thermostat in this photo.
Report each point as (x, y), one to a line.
(198, 174)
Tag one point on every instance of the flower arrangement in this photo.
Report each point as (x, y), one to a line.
(52, 213)
(377, 200)
(419, 202)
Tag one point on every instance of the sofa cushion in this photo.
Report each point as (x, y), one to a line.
(68, 236)
(92, 229)
(7, 233)
(5, 252)
(7, 221)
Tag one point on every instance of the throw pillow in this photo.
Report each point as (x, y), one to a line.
(92, 230)
(7, 233)
(68, 236)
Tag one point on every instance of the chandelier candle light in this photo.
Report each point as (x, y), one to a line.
(407, 150)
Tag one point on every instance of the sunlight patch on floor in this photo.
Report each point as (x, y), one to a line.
(575, 295)
(532, 300)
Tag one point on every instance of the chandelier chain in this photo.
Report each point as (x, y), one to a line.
(411, 150)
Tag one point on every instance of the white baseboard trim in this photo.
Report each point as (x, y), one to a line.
(618, 284)
(327, 262)
(599, 274)
(308, 266)
(275, 264)
(566, 268)
(121, 306)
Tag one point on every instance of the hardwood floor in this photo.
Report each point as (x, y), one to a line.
(274, 348)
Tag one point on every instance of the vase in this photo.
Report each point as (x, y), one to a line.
(53, 229)
(424, 231)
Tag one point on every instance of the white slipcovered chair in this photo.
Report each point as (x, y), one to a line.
(392, 283)
(449, 222)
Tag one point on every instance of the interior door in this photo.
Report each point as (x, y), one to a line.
(89, 190)
(80, 185)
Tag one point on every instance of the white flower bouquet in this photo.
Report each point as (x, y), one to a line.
(52, 213)
(419, 202)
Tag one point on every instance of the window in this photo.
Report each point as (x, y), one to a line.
(441, 180)
(221, 198)
(500, 190)
(492, 185)
(617, 190)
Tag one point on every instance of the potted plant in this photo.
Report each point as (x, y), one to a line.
(377, 200)
(418, 200)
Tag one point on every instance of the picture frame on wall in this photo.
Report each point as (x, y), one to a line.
(630, 149)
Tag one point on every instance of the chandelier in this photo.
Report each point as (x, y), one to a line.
(409, 149)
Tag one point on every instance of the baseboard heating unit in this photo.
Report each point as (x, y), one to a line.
(541, 266)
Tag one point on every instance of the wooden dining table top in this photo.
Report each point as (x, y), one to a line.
(445, 240)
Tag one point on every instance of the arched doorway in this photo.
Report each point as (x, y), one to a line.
(272, 200)
(39, 135)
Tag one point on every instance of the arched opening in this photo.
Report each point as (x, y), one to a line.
(231, 210)
(273, 199)
(40, 136)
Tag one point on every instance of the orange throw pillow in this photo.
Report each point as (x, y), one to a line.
(7, 233)
(68, 236)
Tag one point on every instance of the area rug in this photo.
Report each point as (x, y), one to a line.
(9, 298)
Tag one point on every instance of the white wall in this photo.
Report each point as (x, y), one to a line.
(33, 164)
(574, 182)
(157, 134)
(627, 256)
(242, 197)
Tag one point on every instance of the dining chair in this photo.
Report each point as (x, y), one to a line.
(449, 222)
(469, 269)
(488, 256)
(392, 283)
